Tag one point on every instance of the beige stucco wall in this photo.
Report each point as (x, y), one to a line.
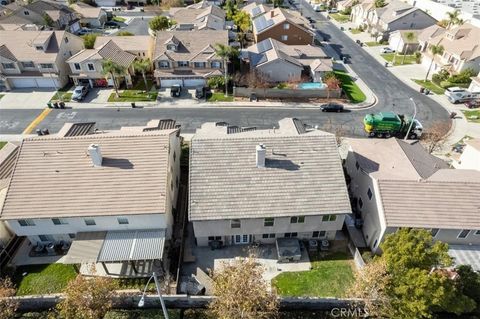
(470, 159)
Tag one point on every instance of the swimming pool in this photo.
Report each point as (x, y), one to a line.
(311, 85)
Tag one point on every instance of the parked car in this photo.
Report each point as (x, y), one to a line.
(79, 93)
(84, 31)
(176, 90)
(333, 10)
(387, 50)
(332, 107)
(317, 8)
(310, 19)
(200, 92)
(473, 104)
(111, 25)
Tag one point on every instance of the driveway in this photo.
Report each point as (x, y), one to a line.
(26, 99)
(96, 96)
(138, 26)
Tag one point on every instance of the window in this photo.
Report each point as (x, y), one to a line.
(8, 65)
(434, 231)
(26, 13)
(200, 65)
(268, 222)
(375, 243)
(291, 235)
(176, 181)
(72, 236)
(90, 222)
(28, 64)
(284, 37)
(329, 218)
(59, 221)
(369, 194)
(66, 40)
(182, 64)
(216, 64)
(319, 234)
(26, 222)
(477, 233)
(122, 221)
(212, 238)
(46, 238)
(357, 165)
(360, 203)
(91, 67)
(297, 219)
(286, 26)
(172, 47)
(171, 184)
(77, 66)
(235, 223)
(265, 236)
(464, 233)
(163, 64)
(174, 156)
(46, 65)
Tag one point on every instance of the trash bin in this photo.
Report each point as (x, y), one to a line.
(342, 29)
(427, 91)
(422, 89)
(133, 105)
(49, 104)
(55, 105)
(386, 64)
(39, 132)
(452, 115)
(344, 59)
(253, 97)
(45, 131)
(62, 105)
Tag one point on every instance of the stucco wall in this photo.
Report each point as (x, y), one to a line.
(296, 35)
(470, 159)
(280, 71)
(286, 93)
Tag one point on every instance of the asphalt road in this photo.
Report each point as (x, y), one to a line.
(138, 26)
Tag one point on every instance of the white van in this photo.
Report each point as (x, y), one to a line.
(317, 7)
(459, 95)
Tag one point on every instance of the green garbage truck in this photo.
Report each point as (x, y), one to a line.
(388, 124)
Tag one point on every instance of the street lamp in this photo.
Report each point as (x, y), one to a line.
(141, 302)
(413, 118)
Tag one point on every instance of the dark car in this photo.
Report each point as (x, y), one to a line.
(79, 92)
(175, 90)
(473, 104)
(111, 25)
(331, 107)
(310, 20)
(200, 92)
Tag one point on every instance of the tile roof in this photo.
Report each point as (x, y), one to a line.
(394, 10)
(254, 9)
(127, 43)
(474, 142)
(277, 16)
(212, 17)
(109, 50)
(431, 32)
(303, 173)
(87, 11)
(462, 41)
(131, 180)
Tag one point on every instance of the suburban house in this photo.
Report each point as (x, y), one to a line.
(119, 213)
(396, 15)
(36, 59)
(461, 46)
(86, 65)
(207, 18)
(92, 17)
(396, 184)
(278, 62)
(45, 13)
(249, 185)
(475, 84)
(138, 45)
(346, 4)
(187, 58)
(400, 42)
(255, 9)
(282, 25)
(470, 157)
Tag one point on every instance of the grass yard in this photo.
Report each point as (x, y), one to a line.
(430, 85)
(1, 95)
(373, 44)
(63, 94)
(119, 19)
(342, 18)
(350, 88)
(356, 31)
(2, 144)
(43, 279)
(220, 97)
(409, 59)
(472, 116)
(330, 277)
(140, 85)
(133, 96)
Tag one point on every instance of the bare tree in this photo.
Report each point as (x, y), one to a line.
(435, 136)
(8, 306)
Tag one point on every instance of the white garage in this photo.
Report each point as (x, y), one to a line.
(193, 82)
(168, 83)
(34, 83)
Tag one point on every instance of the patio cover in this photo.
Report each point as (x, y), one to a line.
(465, 255)
(116, 246)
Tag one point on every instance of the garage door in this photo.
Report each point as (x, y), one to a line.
(34, 83)
(193, 82)
(47, 83)
(169, 83)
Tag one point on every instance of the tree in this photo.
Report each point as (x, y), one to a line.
(87, 298)
(469, 284)
(230, 9)
(124, 34)
(434, 49)
(113, 70)
(142, 66)
(333, 83)
(160, 23)
(453, 18)
(48, 20)
(409, 37)
(226, 53)
(435, 135)
(242, 293)
(243, 22)
(89, 40)
(375, 35)
(8, 306)
(380, 3)
(412, 282)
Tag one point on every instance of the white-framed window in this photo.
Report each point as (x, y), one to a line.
(290, 235)
(235, 223)
(265, 236)
(199, 65)
(39, 48)
(434, 232)
(46, 65)
(216, 64)
(59, 221)
(46, 238)
(25, 12)
(172, 47)
(369, 194)
(182, 64)
(90, 222)
(269, 222)
(284, 37)
(297, 220)
(463, 233)
(286, 26)
(28, 64)
(122, 221)
(329, 218)
(212, 238)
(77, 66)
(8, 65)
(90, 67)
(26, 222)
(163, 64)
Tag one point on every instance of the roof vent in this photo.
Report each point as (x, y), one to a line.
(95, 155)
(261, 152)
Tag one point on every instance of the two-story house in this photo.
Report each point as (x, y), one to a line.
(209, 18)
(397, 184)
(92, 17)
(112, 195)
(187, 58)
(255, 9)
(86, 65)
(249, 185)
(36, 59)
(461, 48)
(282, 25)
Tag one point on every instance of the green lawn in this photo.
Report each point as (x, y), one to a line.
(430, 85)
(373, 44)
(350, 88)
(2, 144)
(470, 114)
(1, 95)
(356, 31)
(64, 96)
(220, 97)
(119, 19)
(409, 59)
(342, 18)
(133, 96)
(330, 277)
(43, 279)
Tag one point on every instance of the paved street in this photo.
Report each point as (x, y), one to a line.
(138, 26)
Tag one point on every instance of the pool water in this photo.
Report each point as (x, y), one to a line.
(311, 85)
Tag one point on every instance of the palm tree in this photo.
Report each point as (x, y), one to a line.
(226, 53)
(114, 70)
(435, 49)
(143, 66)
(454, 18)
(409, 37)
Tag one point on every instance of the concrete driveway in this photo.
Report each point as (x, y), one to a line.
(187, 97)
(26, 99)
(95, 96)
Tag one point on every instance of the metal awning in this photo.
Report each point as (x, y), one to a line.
(465, 255)
(117, 246)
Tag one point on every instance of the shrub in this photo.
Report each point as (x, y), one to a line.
(418, 57)
(124, 33)
(448, 84)
(347, 11)
(216, 82)
(462, 77)
(281, 86)
(89, 40)
(367, 256)
(442, 75)
(160, 23)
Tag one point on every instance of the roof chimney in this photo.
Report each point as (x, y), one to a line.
(95, 155)
(261, 151)
(272, 13)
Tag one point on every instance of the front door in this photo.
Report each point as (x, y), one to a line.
(240, 239)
